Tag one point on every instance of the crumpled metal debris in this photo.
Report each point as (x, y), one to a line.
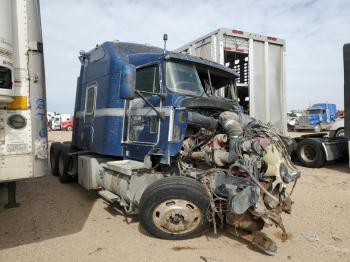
(246, 168)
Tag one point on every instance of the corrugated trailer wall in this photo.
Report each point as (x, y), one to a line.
(267, 92)
(260, 61)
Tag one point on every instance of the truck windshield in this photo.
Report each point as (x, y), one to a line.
(183, 78)
(314, 111)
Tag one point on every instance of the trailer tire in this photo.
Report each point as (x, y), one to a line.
(69, 128)
(65, 163)
(174, 208)
(310, 153)
(55, 149)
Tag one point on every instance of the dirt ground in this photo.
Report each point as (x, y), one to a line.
(57, 222)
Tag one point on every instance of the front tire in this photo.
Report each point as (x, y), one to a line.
(174, 208)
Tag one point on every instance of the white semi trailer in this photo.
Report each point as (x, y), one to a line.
(23, 133)
(260, 62)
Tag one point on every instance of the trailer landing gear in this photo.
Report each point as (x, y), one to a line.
(11, 195)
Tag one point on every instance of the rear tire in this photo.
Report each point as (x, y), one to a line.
(55, 150)
(174, 208)
(65, 164)
(310, 153)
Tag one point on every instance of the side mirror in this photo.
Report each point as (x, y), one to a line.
(128, 82)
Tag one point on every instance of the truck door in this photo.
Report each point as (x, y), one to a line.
(142, 123)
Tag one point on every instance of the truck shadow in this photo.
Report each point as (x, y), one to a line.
(339, 166)
(117, 210)
(48, 209)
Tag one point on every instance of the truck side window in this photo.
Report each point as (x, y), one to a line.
(90, 103)
(5, 78)
(147, 79)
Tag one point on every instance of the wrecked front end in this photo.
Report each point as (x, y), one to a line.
(244, 166)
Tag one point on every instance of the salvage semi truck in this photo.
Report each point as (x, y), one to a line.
(23, 136)
(151, 136)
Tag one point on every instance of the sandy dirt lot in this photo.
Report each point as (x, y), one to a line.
(57, 222)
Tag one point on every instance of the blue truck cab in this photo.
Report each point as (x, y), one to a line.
(317, 117)
(130, 99)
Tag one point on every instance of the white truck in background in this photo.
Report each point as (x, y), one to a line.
(59, 120)
(23, 132)
(260, 62)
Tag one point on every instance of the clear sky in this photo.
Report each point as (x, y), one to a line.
(314, 30)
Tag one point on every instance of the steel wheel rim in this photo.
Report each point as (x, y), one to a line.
(308, 153)
(176, 216)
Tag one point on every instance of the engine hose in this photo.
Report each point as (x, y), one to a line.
(255, 181)
(199, 120)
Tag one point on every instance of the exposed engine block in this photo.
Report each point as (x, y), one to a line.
(247, 171)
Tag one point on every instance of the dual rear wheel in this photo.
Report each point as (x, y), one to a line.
(61, 162)
(310, 153)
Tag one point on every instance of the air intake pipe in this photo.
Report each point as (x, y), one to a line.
(230, 121)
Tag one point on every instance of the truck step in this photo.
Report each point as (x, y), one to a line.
(109, 196)
(126, 167)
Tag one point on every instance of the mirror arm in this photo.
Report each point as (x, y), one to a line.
(159, 114)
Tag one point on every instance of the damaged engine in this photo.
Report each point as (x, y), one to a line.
(246, 169)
